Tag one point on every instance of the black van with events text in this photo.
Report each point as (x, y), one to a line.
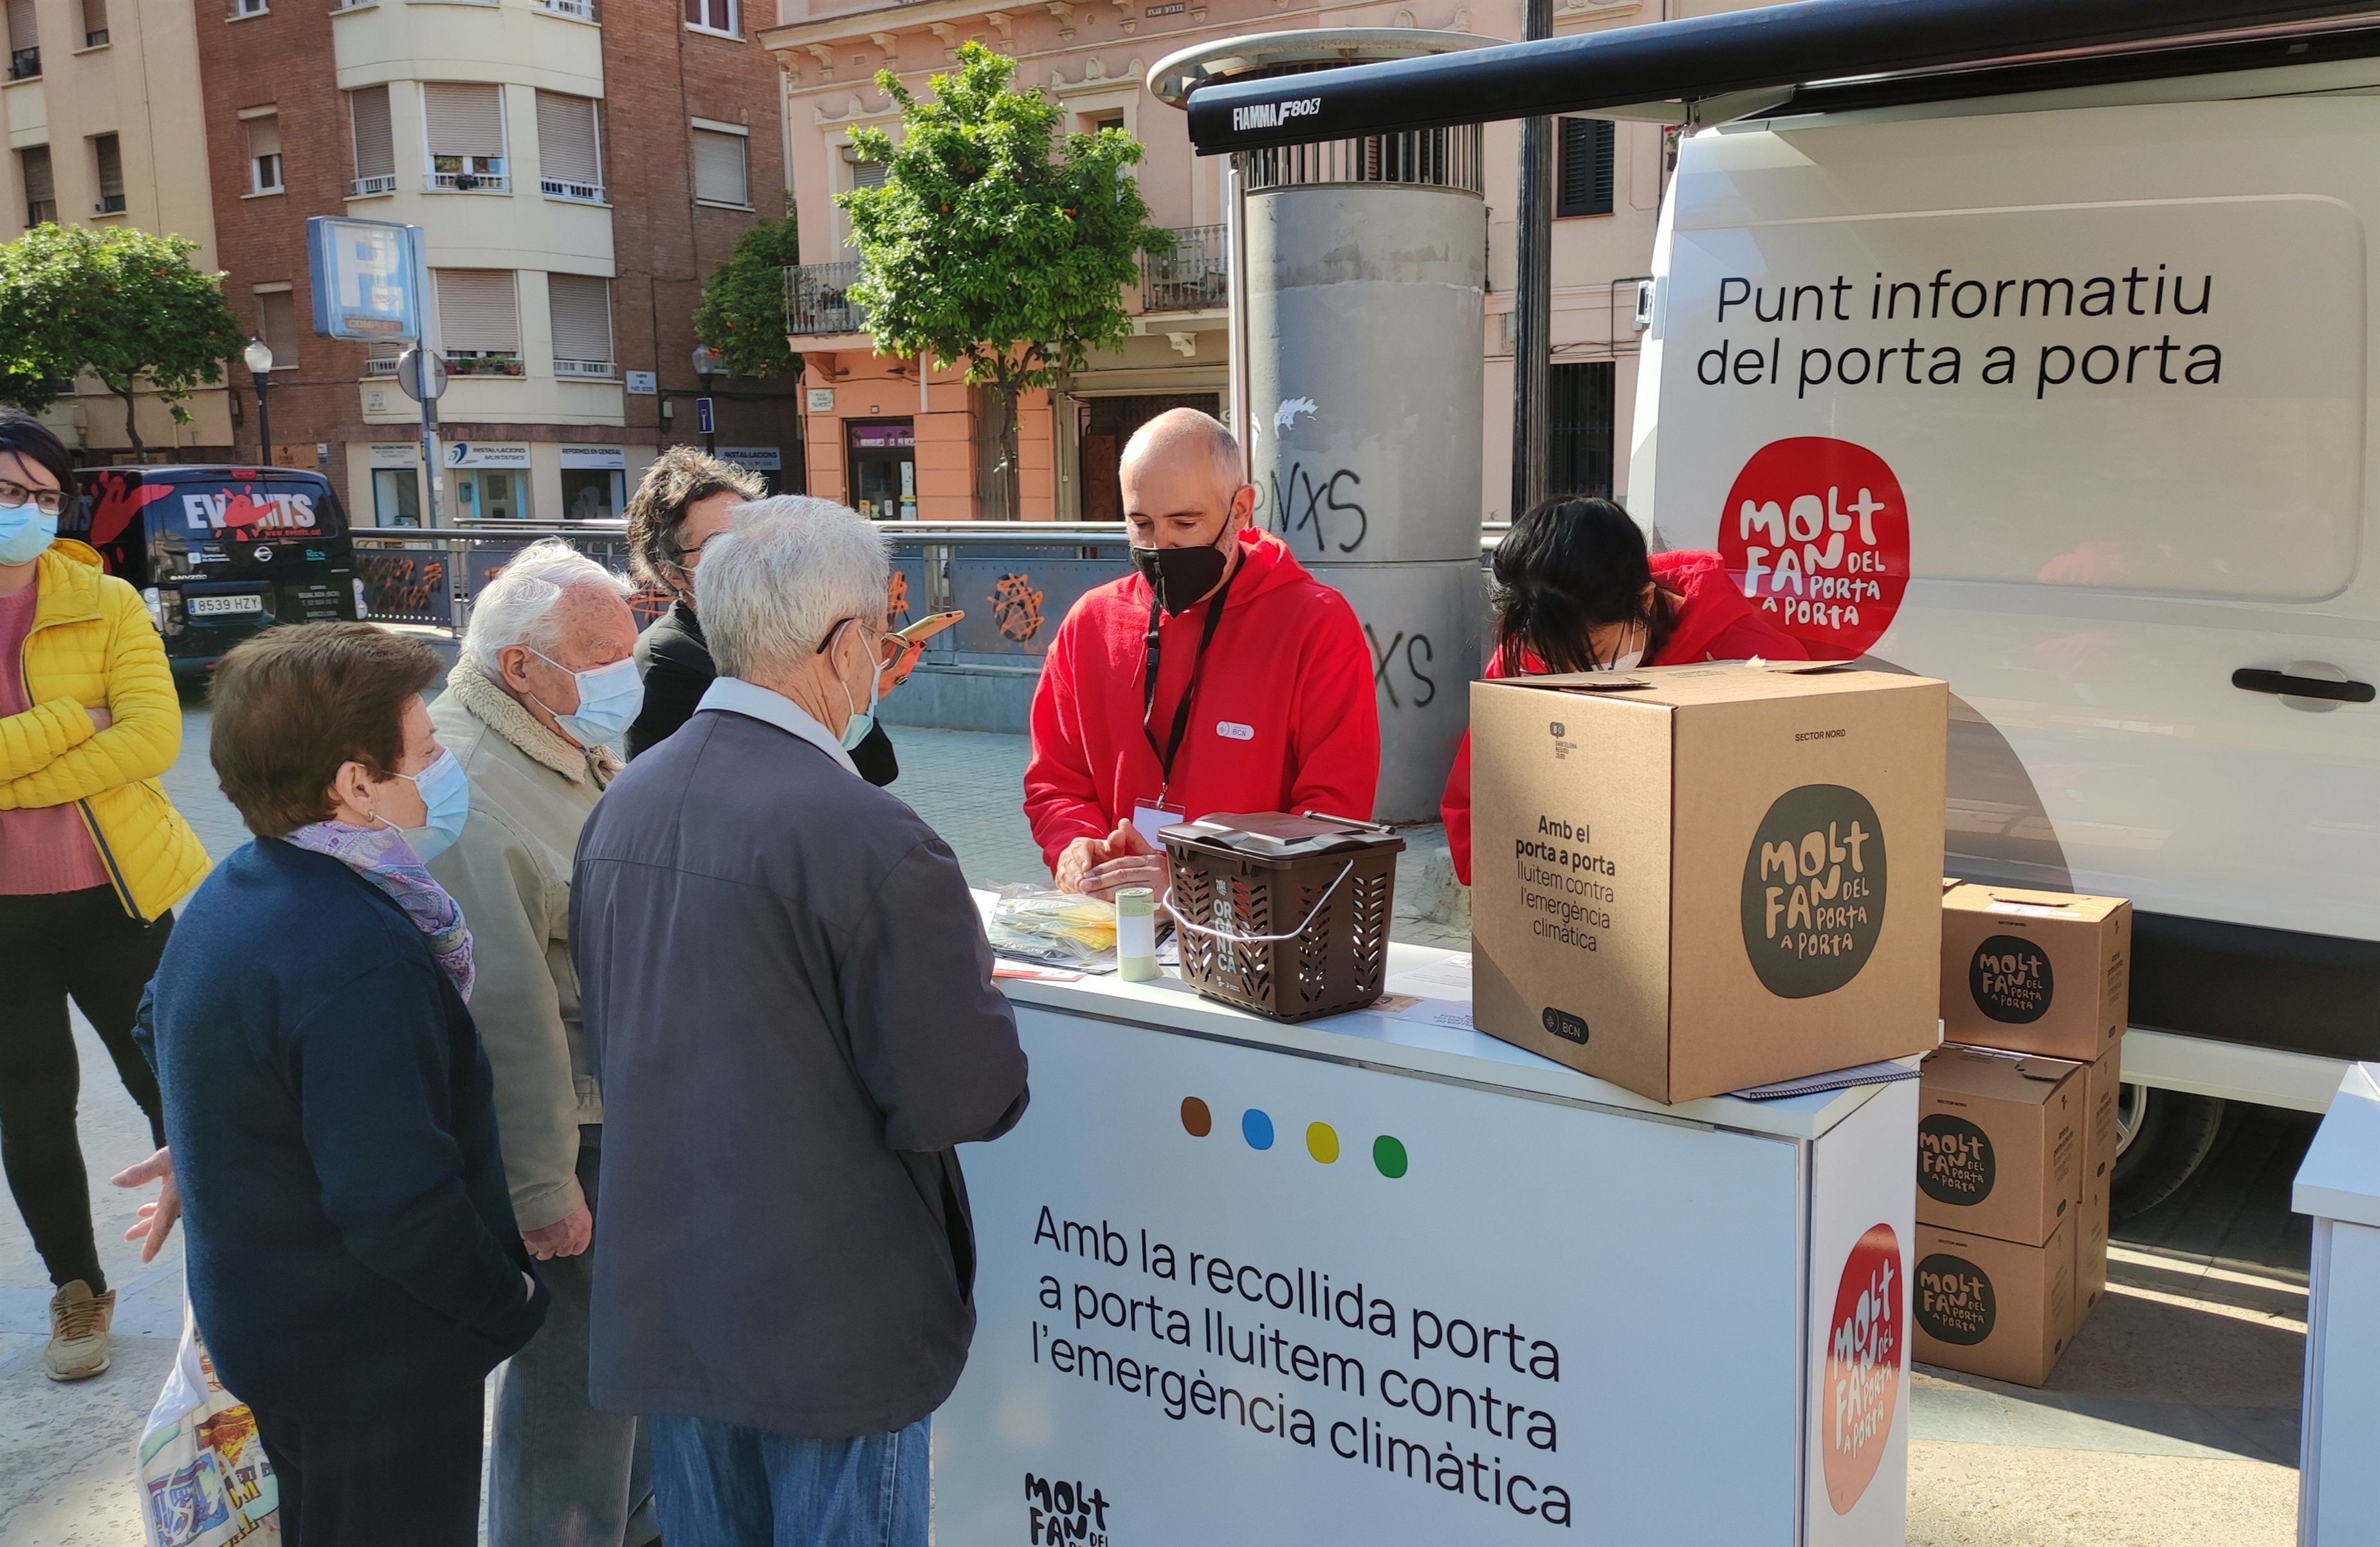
(219, 553)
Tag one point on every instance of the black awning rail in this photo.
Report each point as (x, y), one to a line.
(1830, 52)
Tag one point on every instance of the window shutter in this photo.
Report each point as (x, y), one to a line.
(477, 311)
(582, 316)
(22, 30)
(566, 140)
(264, 137)
(1584, 173)
(718, 167)
(375, 146)
(464, 118)
(868, 174)
(110, 151)
(280, 309)
(40, 187)
(94, 22)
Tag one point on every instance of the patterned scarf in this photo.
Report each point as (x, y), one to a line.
(382, 856)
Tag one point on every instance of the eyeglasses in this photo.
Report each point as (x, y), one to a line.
(49, 501)
(889, 646)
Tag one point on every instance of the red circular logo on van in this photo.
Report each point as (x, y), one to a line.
(1865, 1350)
(1816, 534)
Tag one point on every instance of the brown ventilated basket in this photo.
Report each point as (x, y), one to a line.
(1326, 885)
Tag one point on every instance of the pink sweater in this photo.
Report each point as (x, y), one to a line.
(45, 849)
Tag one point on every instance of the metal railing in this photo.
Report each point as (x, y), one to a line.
(383, 182)
(582, 9)
(817, 298)
(563, 187)
(471, 182)
(1194, 276)
(586, 369)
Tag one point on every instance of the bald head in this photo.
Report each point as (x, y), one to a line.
(1181, 482)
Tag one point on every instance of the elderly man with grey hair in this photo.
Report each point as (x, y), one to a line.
(790, 1000)
(545, 683)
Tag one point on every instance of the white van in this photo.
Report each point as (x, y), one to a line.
(2066, 397)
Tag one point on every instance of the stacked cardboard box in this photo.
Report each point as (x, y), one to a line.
(2017, 1138)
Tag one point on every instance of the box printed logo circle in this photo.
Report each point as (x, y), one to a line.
(1866, 1345)
(1954, 1161)
(1814, 880)
(1954, 1297)
(2010, 979)
(1815, 532)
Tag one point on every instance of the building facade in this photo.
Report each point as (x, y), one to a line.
(105, 121)
(900, 447)
(565, 235)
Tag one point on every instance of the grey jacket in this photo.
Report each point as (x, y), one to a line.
(531, 794)
(790, 1001)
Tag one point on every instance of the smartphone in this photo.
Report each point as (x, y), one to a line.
(928, 626)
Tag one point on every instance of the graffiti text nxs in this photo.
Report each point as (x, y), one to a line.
(239, 509)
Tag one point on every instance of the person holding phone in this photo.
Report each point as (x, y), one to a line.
(1218, 676)
(687, 498)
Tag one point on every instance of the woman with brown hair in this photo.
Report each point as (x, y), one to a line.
(353, 1259)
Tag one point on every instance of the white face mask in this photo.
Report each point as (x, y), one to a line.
(1627, 660)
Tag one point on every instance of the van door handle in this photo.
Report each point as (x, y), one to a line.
(2258, 681)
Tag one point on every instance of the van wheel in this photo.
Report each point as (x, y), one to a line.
(2161, 1138)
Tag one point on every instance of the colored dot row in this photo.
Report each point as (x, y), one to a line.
(1321, 1139)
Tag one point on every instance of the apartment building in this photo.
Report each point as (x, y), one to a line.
(900, 447)
(105, 125)
(565, 231)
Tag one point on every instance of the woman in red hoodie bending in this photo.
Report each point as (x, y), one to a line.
(1575, 591)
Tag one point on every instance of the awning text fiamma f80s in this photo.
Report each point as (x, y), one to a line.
(1818, 53)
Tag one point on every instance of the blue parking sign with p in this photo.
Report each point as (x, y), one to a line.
(365, 275)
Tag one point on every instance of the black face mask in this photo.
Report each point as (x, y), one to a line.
(1178, 578)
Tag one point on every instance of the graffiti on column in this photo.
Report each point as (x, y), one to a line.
(1300, 503)
(1403, 658)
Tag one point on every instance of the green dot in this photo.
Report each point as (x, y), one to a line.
(1388, 1154)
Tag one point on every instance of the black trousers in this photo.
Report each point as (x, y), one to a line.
(59, 945)
(406, 1478)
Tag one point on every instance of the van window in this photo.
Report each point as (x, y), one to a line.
(251, 512)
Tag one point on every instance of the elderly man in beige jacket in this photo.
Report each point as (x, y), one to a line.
(545, 682)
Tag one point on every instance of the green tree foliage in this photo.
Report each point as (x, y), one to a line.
(120, 304)
(994, 242)
(742, 313)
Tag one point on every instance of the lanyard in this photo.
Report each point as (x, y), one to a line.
(1166, 754)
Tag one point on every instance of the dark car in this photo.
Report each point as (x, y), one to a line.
(219, 553)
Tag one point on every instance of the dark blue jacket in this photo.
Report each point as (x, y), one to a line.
(350, 1240)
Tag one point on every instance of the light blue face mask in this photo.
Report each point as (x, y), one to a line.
(609, 698)
(862, 721)
(447, 794)
(24, 532)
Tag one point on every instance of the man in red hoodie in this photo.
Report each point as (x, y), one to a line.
(1219, 677)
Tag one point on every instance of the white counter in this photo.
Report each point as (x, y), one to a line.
(2338, 1184)
(1375, 1280)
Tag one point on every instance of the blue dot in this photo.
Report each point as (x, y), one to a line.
(1256, 1128)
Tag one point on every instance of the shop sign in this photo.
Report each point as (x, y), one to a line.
(594, 459)
(882, 437)
(754, 459)
(364, 274)
(396, 453)
(488, 454)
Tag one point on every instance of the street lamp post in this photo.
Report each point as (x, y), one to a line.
(706, 365)
(259, 354)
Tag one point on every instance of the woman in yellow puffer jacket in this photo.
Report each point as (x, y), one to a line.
(92, 856)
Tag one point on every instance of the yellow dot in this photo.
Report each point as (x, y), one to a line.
(1321, 1142)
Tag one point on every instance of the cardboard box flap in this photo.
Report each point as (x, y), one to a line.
(2019, 903)
(1996, 1076)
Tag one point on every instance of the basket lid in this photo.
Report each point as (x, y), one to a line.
(1279, 834)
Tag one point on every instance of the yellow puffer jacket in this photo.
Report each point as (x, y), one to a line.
(92, 646)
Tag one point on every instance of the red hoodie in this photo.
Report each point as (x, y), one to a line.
(1710, 621)
(1285, 718)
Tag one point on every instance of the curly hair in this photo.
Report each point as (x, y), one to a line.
(678, 478)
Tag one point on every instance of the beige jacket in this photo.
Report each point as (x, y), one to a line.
(531, 791)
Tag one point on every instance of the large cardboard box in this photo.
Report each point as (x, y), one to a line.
(1992, 1308)
(1999, 1142)
(2043, 972)
(1696, 879)
(2102, 1085)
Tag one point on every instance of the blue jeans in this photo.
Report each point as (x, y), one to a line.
(723, 1485)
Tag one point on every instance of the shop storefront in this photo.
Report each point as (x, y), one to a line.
(883, 457)
(395, 483)
(490, 480)
(594, 482)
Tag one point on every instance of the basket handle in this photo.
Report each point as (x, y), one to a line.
(1166, 902)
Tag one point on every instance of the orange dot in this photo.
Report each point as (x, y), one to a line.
(1196, 1120)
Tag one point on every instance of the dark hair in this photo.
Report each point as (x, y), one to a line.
(1568, 567)
(32, 440)
(293, 703)
(677, 479)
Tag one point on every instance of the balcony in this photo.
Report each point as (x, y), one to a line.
(582, 10)
(380, 365)
(483, 362)
(817, 298)
(585, 370)
(1194, 276)
(580, 193)
(364, 188)
(473, 173)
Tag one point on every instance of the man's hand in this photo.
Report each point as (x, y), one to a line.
(1076, 859)
(99, 718)
(567, 1236)
(898, 671)
(1130, 860)
(156, 1220)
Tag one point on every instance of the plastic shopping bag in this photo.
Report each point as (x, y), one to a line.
(202, 1475)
